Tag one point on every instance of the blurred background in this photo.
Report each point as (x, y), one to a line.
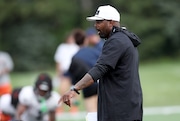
(31, 30)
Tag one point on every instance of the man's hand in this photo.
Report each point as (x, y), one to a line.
(83, 83)
(66, 98)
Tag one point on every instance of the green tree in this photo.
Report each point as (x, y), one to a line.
(31, 30)
(156, 22)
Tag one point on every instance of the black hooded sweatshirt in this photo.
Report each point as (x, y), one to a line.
(119, 90)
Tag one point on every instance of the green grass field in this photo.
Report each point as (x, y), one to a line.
(172, 117)
(160, 83)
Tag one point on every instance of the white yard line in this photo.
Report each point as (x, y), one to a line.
(161, 110)
(147, 111)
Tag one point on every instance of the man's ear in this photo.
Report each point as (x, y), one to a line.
(109, 23)
(112, 22)
(115, 23)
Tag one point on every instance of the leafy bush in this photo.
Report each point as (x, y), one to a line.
(31, 46)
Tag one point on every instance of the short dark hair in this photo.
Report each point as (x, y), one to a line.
(79, 36)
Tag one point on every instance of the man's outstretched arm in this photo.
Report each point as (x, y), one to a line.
(83, 83)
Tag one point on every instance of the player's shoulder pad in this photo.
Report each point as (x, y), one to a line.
(26, 95)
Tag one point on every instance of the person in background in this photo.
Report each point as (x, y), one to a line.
(82, 61)
(62, 57)
(38, 102)
(6, 66)
(8, 105)
(94, 40)
(117, 69)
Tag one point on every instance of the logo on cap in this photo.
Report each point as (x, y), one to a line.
(97, 12)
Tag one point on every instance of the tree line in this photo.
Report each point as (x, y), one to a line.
(31, 30)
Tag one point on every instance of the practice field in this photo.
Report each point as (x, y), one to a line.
(160, 83)
(170, 113)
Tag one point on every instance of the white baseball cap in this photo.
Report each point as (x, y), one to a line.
(106, 12)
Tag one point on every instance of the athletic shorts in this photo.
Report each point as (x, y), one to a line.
(90, 91)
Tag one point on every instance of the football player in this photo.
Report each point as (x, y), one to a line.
(38, 103)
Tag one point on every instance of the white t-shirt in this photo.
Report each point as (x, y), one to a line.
(64, 54)
(27, 97)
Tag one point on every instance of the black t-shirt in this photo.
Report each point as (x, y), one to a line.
(78, 69)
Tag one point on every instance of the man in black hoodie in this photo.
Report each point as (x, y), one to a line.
(119, 91)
